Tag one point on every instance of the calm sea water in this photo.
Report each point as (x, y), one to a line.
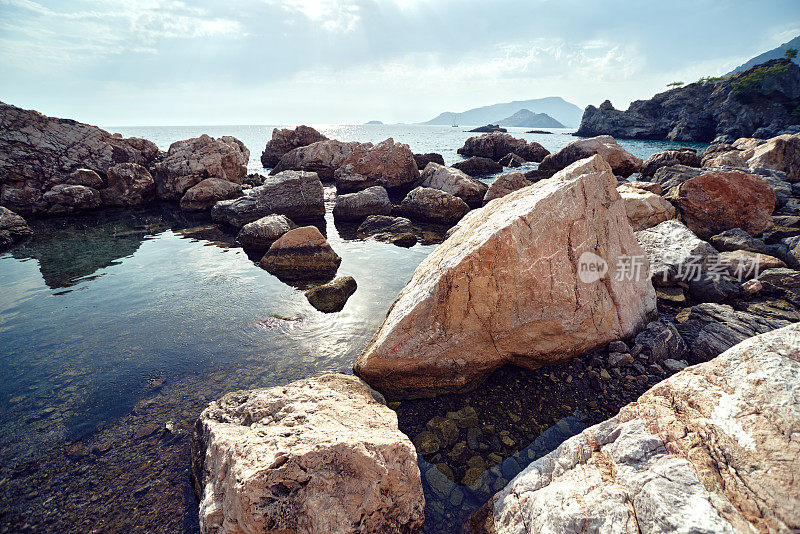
(114, 321)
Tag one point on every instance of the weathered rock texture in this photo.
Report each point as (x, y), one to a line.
(674, 252)
(505, 184)
(478, 166)
(622, 162)
(322, 157)
(318, 455)
(301, 254)
(780, 153)
(668, 158)
(204, 195)
(388, 164)
(711, 449)
(358, 206)
(428, 204)
(455, 182)
(424, 159)
(505, 288)
(129, 184)
(285, 140)
(261, 233)
(13, 228)
(332, 297)
(702, 111)
(645, 209)
(497, 145)
(38, 153)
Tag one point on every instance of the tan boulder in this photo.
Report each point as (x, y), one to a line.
(428, 204)
(455, 182)
(713, 448)
(285, 140)
(300, 254)
(387, 164)
(645, 209)
(780, 153)
(204, 195)
(653, 187)
(622, 162)
(322, 157)
(744, 265)
(318, 455)
(505, 184)
(515, 283)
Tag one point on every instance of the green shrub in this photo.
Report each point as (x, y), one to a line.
(790, 53)
(751, 83)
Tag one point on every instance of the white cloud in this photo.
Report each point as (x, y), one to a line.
(332, 15)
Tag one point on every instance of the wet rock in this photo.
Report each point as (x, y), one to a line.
(427, 443)
(298, 195)
(699, 452)
(661, 340)
(331, 297)
(674, 295)
(301, 254)
(357, 206)
(674, 252)
(322, 157)
(461, 315)
(454, 181)
(645, 209)
(129, 184)
(445, 429)
(261, 233)
(207, 193)
(505, 184)
(285, 140)
(13, 228)
(387, 164)
(423, 159)
(317, 455)
(63, 198)
(497, 145)
(478, 166)
(466, 417)
(88, 177)
(618, 359)
(384, 228)
(511, 160)
(738, 239)
(428, 204)
(668, 158)
(191, 161)
(622, 162)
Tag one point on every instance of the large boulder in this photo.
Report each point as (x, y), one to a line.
(358, 206)
(261, 233)
(285, 140)
(622, 162)
(497, 145)
(645, 209)
(780, 153)
(711, 449)
(129, 184)
(322, 157)
(316, 455)
(674, 252)
(423, 159)
(520, 281)
(191, 161)
(64, 198)
(204, 195)
(668, 158)
(301, 254)
(505, 184)
(388, 164)
(39, 152)
(297, 194)
(433, 205)
(478, 166)
(718, 201)
(13, 228)
(454, 181)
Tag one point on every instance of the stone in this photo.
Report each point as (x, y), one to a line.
(384, 228)
(445, 429)
(423, 159)
(129, 184)
(539, 174)
(713, 286)
(497, 145)
(618, 359)
(453, 181)
(428, 204)
(679, 156)
(478, 166)
(674, 252)
(285, 140)
(317, 455)
(427, 443)
(261, 233)
(322, 157)
(674, 295)
(653, 187)
(784, 283)
(387, 164)
(743, 264)
(752, 287)
(331, 297)
(618, 346)
(505, 184)
(38, 152)
(13, 228)
(504, 288)
(622, 162)
(718, 201)
(645, 209)
(207, 193)
(64, 198)
(298, 195)
(737, 239)
(191, 161)
(511, 160)
(661, 340)
(710, 449)
(670, 178)
(674, 365)
(781, 153)
(358, 206)
(300, 254)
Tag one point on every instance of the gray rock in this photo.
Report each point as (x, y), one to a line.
(618, 359)
(396, 230)
(13, 228)
(661, 340)
(129, 184)
(423, 159)
(357, 206)
(454, 181)
(478, 166)
(433, 205)
(285, 140)
(717, 287)
(668, 158)
(782, 282)
(674, 365)
(618, 346)
(64, 198)
(675, 252)
(261, 233)
(738, 239)
(332, 297)
(505, 184)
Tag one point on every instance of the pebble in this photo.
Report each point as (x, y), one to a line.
(616, 359)
(426, 443)
(617, 346)
(604, 375)
(674, 365)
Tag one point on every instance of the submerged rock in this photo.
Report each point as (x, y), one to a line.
(645, 209)
(301, 254)
(497, 145)
(710, 449)
(433, 205)
(322, 157)
(261, 233)
(505, 288)
(331, 297)
(13, 228)
(285, 140)
(454, 181)
(388, 164)
(357, 206)
(316, 455)
(505, 184)
(478, 166)
(204, 195)
(622, 162)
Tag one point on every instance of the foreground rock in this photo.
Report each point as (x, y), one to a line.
(645, 209)
(285, 140)
(296, 194)
(387, 164)
(711, 449)
(261, 233)
(204, 195)
(322, 157)
(674, 252)
(478, 166)
(496, 146)
(301, 254)
(504, 288)
(505, 184)
(38, 153)
(332, 297)
(317, 455)
(428, 204)
(668, 158)
(396, 230)
(454, 181)
(622, 162)
(13, 228)
(191, 161)
(357, 206)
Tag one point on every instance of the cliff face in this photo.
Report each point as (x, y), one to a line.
(759, 102)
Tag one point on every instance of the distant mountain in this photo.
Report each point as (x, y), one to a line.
(373, 122)
(555, 106)
(775, 53)
(526, 118)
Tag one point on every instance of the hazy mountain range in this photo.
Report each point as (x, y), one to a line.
(775, 53)
(569, 115)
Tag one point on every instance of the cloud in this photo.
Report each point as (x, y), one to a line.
(333, 15)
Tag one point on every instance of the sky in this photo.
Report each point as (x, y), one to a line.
(147, 62)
